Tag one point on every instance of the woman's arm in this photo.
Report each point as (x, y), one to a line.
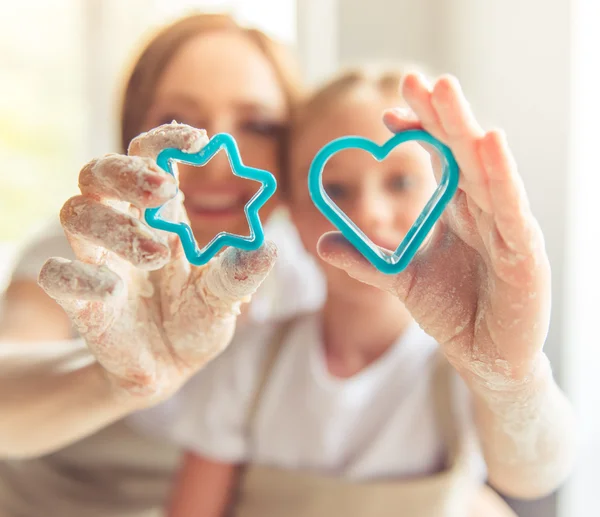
(203, 487)
(45, 373)
(53, 393)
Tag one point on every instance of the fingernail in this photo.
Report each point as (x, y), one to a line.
(424, 80)
(166, 190)
(238, 274)
(403, 112)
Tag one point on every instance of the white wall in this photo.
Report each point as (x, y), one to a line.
(513, 58)
(582, 282)
(388, 29)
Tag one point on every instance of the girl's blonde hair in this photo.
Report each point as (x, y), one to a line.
(387, 82)
(147, 70)
(383, 78)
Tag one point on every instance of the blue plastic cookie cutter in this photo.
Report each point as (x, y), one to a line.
(194, 254)
(384, 261)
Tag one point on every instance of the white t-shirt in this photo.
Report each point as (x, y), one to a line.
(378, 423)
(295, 270)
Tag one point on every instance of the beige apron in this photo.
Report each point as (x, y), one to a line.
(273, 492)
(113, 473)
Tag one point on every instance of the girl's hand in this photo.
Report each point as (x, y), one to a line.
(481, 285)
(150, 319)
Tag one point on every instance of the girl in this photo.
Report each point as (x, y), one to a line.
(372, 406)
(208, 71)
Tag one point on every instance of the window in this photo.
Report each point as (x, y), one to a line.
(41, 110)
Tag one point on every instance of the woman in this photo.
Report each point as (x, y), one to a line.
(209, 72)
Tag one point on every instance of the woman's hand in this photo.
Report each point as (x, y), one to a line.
(150, 319)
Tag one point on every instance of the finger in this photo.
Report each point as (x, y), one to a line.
(404, 119)
(72, 281)
(336, 250)
(401, 119)
(174, 135)
(94, 297)
(509, 201)
(453, 110)
(90, 295)
(463, 133)
(235, 275)
(416, 91)
(100, 225)
(133, 179)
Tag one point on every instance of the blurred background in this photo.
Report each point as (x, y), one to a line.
(529, 67)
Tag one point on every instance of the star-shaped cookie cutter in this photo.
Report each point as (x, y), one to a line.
(194, 254)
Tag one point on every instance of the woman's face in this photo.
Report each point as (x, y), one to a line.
(222, 82)
(382, 198)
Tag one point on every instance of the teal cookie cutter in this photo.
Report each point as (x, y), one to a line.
(398, 260)
(194, 254)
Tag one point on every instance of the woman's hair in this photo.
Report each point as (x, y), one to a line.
(147, 70)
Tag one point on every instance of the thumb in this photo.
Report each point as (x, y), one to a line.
(235, 275)
(334, 249)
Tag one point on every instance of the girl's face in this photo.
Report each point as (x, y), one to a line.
(382, 198)
(221, 82)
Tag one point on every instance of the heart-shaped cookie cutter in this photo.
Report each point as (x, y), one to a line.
(396, 261)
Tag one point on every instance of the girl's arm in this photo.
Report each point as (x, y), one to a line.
(481, 287)
(203, 487)
(526, 430)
